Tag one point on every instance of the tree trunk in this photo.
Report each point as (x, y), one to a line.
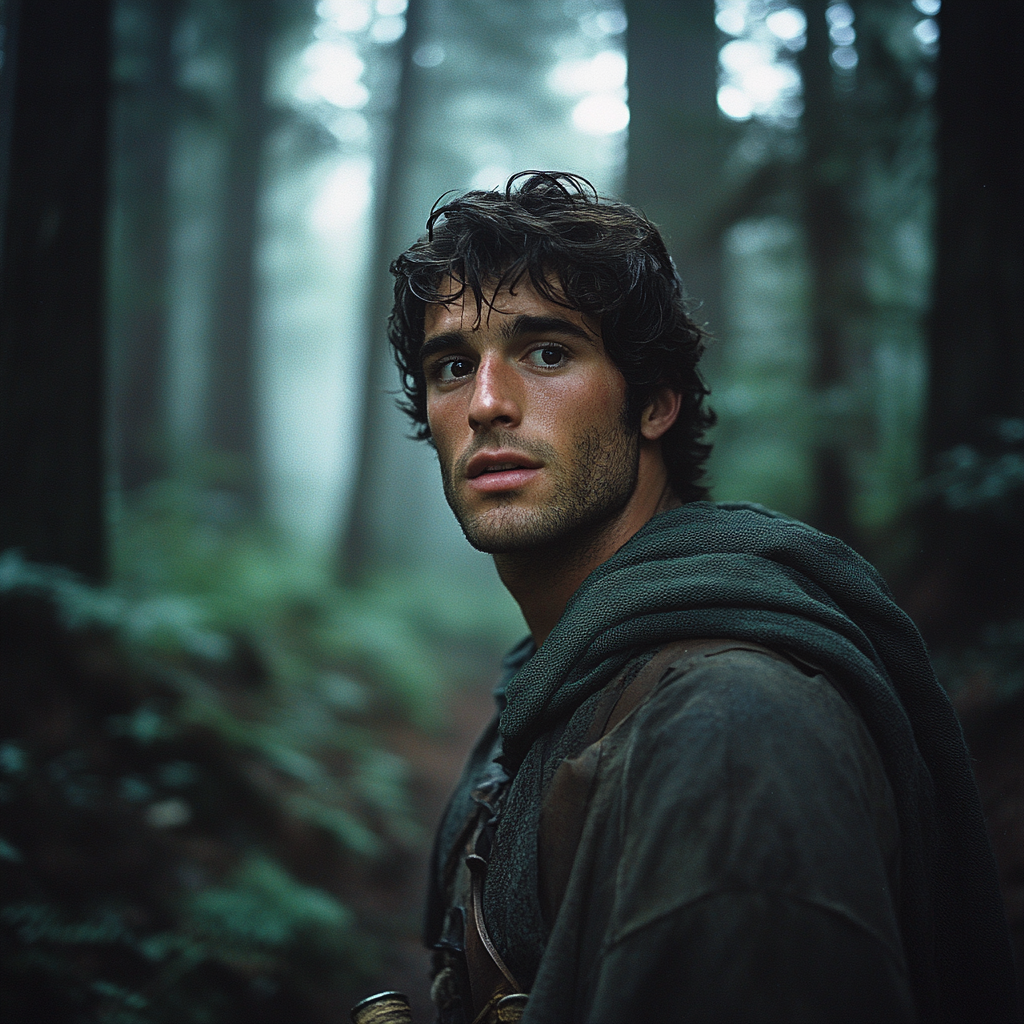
(232, 414)
(974, 551)
(828, 185)
(677, 139)
(51, 324)
(359, 550)
(144, 117)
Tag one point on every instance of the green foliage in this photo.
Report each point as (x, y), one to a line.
(201, 579)
(262, 907)
(199, 775)
(983, 480)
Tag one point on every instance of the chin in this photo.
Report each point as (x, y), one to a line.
(564, 516)
(509, 530)
(506, 530)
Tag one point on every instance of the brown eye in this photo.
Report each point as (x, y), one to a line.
(453, 369)
(548, 355)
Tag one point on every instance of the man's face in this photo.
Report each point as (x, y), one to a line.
(527, 413)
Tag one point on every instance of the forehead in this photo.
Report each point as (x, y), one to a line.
(460, 315)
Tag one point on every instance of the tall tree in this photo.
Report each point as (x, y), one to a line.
(51, 289)
(866, 139)
(975, 424)
(360, 550)
(828, 189)
(854, 178)
(232, 416)
(143, 115)
(677, 139)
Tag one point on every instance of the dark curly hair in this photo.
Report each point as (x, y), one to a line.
(603, 258)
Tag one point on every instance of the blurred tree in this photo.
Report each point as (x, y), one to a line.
(849, 184)
(231, 410)
(677, 139)
(829, 178)
(979, 286)
(390, 236)
(865, 135)
(51, 324)
(192, 117)
(974, 546)
(143, 114)
(8, 63)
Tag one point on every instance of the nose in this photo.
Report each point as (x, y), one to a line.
(496, 400)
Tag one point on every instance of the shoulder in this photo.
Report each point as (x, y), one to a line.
(746, 772)
(735, 694)
(742, 719)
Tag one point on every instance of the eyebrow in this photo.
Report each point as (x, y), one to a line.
(526, 324)
(514, 328)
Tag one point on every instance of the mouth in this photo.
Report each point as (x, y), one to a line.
(484, 463)
(500, 471)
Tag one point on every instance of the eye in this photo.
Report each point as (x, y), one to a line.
(452, 368)
(548, 356)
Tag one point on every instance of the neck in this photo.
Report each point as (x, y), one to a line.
(543, 578)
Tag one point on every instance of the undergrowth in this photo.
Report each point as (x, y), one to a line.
(197, 786)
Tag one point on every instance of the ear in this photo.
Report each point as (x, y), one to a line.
(660, 413)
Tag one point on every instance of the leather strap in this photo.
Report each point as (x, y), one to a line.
(490, 980)
(478, 870)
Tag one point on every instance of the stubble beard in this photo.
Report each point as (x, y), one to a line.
(586, 494)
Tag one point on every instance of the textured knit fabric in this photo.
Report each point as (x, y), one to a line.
(706, 570)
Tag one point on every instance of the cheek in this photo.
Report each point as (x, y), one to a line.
(611, 399)
(590, 404)
(439, 419)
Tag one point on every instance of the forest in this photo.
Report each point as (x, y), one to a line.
(244, 646)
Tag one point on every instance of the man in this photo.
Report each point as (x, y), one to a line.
(723, 784)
